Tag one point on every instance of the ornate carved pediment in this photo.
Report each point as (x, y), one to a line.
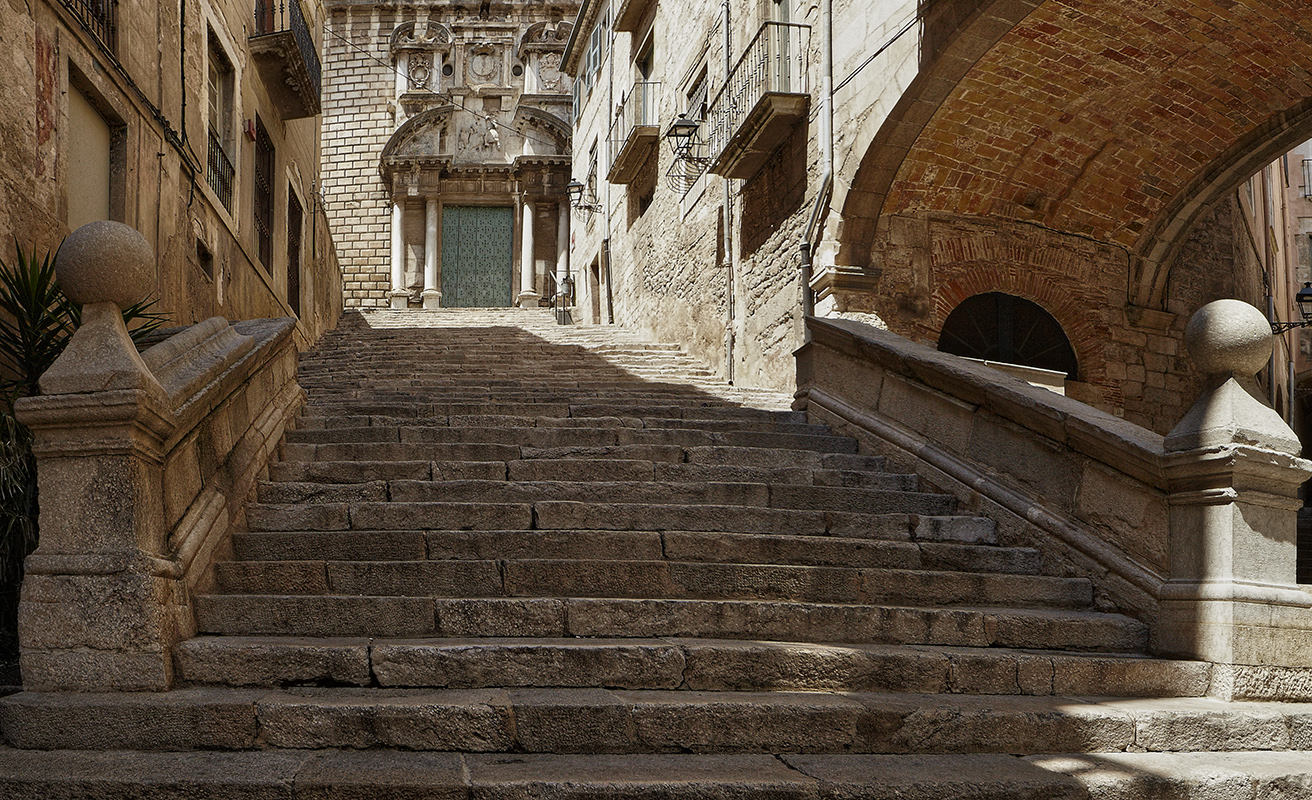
(545, 37)
(541, 124)
(424, 140)
(410, 36)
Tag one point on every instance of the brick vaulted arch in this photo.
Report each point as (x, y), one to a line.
(1112, 121)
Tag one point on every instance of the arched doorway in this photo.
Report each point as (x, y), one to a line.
(1002, 327)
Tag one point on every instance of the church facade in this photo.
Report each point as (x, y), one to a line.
(446, 151)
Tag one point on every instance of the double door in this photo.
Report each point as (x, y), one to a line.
(477, 261)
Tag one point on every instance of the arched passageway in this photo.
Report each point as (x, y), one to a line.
(1077, 144)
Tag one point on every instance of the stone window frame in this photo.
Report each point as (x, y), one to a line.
(217, 34)
(77, 80)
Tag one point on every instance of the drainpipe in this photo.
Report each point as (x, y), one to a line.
(815, 224)
(606, 121)
(731, 323)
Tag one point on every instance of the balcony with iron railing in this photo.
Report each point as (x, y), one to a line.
(219, 172)
(766, 94)
(98, 17)
(634, 133)
(287, 57)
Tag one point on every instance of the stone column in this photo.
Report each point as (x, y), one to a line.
(562, 243)
(432, 245)
(1233, 474)
(102, 604)
(528, 295)
(398, 296)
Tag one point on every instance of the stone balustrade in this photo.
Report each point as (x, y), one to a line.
(1193, 532)
(144, 464)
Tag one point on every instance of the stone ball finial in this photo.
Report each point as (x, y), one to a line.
(105, 261)
(1229, 337)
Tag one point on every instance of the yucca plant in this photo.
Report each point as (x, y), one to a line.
(36, 321)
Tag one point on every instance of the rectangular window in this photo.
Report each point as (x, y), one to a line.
(295, 222)
(696, 98)
(219, 170)
(90, 145)
(264, 165)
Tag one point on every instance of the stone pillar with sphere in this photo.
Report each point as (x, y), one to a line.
(1233, 473)
(99, 602)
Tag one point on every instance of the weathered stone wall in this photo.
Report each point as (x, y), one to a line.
(170, 203)
(671, 265)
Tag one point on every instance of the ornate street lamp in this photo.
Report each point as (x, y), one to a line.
(576, 192)
(1304, 302)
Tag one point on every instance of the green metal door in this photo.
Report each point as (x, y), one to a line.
(476, 256)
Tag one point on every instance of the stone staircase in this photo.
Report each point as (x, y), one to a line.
(505, 559)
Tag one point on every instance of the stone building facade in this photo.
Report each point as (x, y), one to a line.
(446, 150)
(1079, 231)
(196, 123)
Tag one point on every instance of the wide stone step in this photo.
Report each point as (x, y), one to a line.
(439, 408)
(648, 579)
(643, 721)
(315, 426)
(696, 664)
(580, 469)
(896, 495)
(706, 546)
(269, 774)
(334, 615)
(562, 436)
(572, 515)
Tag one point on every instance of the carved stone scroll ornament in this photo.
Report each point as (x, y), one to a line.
(550, 78)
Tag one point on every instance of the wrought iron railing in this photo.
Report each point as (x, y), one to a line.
(99, 17)
(637, 109)
(219, 172)
(281, 16)
(775, 61)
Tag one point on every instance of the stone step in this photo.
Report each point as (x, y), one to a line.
(430, 407)
(644, 721)
(269, 774)
(577, 469)
(694, 664)
(648, 579)
(480, 451)
(317, 424)
(560, 436)
(335, 615)
(839, 498)
(706, 546)
(573, 515)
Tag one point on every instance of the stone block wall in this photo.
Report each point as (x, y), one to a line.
(358, 84)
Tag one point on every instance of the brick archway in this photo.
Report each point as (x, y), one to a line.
(1117, 122)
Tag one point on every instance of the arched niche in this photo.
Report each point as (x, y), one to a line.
(995, 326)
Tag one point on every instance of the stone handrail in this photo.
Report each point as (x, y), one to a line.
(1165, 527)
(144, 463)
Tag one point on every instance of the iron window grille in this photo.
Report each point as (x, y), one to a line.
(99, 17)
(219, 172)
